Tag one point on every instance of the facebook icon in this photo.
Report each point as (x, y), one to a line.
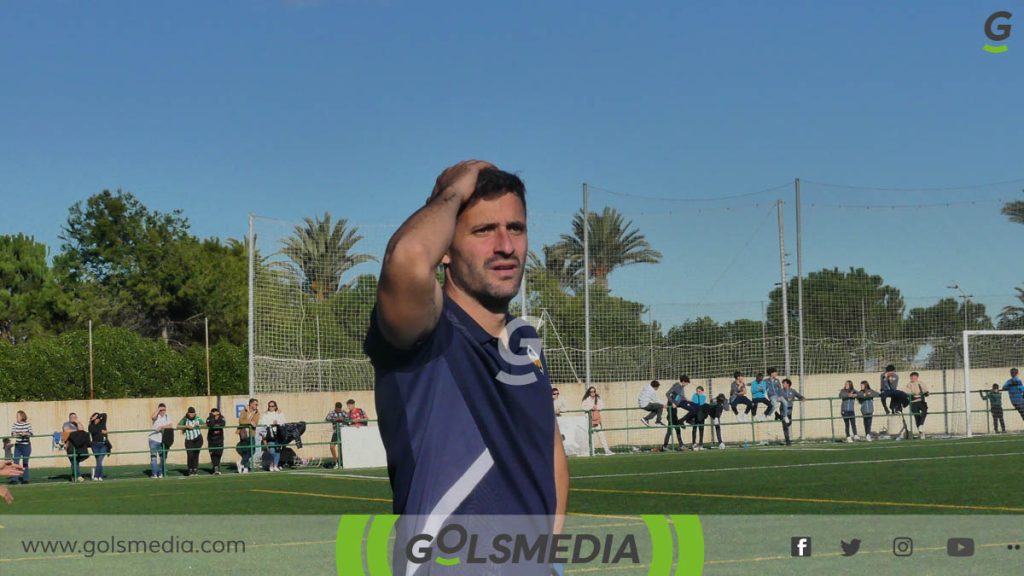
(800, 546)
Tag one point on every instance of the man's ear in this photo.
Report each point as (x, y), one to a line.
(446, 260)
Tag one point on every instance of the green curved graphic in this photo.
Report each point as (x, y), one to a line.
(661, 545)
(348, 544)
(995, 49)
(447, 561)
(377, 544)
(690, 537)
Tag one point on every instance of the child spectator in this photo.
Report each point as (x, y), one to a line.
(866, 397)
(773, 390)
(716, 411)
(356, 415)
(557, 403)
(648, 400)
(738, 395)
(994, 398)
(698, 414)
(1015, 387)
(918, 406)
(788, 396)
(676, 397)
(848, 398)
(759, 392)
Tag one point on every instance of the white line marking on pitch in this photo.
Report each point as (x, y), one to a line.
(807, 465)
(330, 475)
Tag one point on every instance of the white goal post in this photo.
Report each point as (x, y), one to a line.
(967, 364)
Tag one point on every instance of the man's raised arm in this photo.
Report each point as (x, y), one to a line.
(409, 298)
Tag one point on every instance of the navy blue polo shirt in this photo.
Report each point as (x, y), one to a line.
(459, 439)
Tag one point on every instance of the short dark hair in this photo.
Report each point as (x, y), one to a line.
(773, 370)
(161, 405)
(251, 400)
(351, 401)
(890, 368)
(787, 381)
(914, 374)
(655, 383)
(337, 405)
(758, 376)
(700, 387)
(492, 182)
(684, 378)
(737, 374)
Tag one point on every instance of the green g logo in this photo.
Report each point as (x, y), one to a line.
(997, 33)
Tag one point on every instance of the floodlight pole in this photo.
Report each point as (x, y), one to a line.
(206, 334)
(252, 306)
(586, 282)
(90, 361)
(800, 296)
(783, 283)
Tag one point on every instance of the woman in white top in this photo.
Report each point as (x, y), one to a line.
(161, 422)
(271, 419)
(592, 402)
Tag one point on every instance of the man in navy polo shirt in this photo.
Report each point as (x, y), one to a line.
(462, 394)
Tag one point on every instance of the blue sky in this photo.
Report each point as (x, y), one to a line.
(287, 109)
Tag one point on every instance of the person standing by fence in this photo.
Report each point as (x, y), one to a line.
(161, 422)
(21, 431)
(994, 398)
(192, 425)
(100, 442)
(1015, 388)
(847, 408)
(918, 406)
(592, 403)
(215, 437)
(866, 397)
(338, 418)
(247, 422)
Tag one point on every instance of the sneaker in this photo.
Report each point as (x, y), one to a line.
(80, 479)
(897, 438)
(715, 421)
(216, 472)
(609, 453)
(921, 436)
(336, 467)
(857, 437)
(849, 439)
(868, 438)
(98, 478)
(659, 423)
(721, 445)
(645, 422)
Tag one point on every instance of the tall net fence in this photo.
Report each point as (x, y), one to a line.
(702, 287)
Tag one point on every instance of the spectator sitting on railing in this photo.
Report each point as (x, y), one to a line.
(21, 430)
(759, 391)
(738, 395)
(98, 434)
(1015, 387)
(356, 415)
(215, 437)
(773, 390)
(648, 400)
(161, 422)
(77, 446)
(592, 403)
(848, 397)
(890, 381)
(866, 397)
(995, 404)
(918, 406)
(790, 396)
(696, 415)
(675, 397)
(339, 417)
(70, 426)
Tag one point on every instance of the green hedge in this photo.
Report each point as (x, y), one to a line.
(126, 365)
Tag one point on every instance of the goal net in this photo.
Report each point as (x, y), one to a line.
(988, 357)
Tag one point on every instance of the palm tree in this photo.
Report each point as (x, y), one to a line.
(1013, 315)
(613, 243)
(1014, 211)
(323, 253)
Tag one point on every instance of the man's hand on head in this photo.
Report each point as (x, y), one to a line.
(459, 179)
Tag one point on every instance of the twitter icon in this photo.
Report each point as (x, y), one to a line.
(850, 548)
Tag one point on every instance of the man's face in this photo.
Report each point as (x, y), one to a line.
(486, 257)
(913, 377)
